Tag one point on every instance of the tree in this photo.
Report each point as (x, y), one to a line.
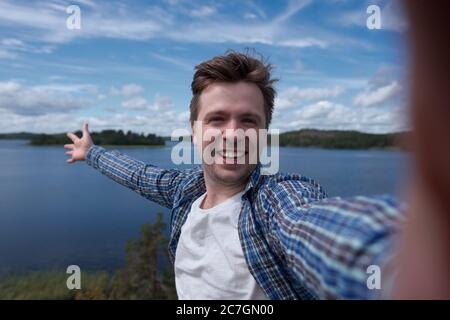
(147, 273)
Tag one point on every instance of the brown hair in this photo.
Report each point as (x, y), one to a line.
(234, 67)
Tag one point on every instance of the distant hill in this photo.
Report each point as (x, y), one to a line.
(339, 139)
(105, 137)
(17, 136)
(330, 139)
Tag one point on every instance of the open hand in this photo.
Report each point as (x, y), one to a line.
(80, 146)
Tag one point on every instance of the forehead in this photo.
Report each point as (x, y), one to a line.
(240, 97)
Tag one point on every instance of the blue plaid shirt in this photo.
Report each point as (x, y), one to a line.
(298, 244)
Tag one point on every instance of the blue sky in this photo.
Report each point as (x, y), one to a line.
(131, 64)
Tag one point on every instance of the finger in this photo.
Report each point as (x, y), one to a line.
(69, 146)
(70, 160)
(69, 153)
(72, 137)
(85, 129)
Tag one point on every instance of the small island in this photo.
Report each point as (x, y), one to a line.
(105, 138)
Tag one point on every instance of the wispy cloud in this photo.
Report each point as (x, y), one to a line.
(188, 66)
(47, 23)
(293, 7)
(378, 96)
(203, 11)
(12, 47)
(381, 88)
(255, 10)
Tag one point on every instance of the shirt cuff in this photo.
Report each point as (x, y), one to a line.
(92, 155)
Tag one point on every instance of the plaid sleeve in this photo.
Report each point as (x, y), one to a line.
(329, 244)
(153, 183)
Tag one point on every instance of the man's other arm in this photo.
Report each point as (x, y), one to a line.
(153, 183)
(156, 184)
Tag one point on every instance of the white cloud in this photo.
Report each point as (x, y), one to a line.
(303, 43)
(321, 110)
(378, 96)
(130, 89)
(160, 103)
(161, 123)
(334, 116)
(10, 86)
(35, 100)
(295, 96)
(136, 103)
(380, 90)
(46, 108)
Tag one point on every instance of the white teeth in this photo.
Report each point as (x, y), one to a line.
(231, 154)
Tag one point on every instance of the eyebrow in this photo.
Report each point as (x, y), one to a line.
(223, 113)
(215, 113)
(250, 114)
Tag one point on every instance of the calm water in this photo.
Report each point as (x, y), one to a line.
(53, 214)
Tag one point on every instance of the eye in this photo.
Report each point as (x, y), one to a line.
(215, 119)
(249, 120)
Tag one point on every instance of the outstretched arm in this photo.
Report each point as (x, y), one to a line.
(328, 245)
(156, 184)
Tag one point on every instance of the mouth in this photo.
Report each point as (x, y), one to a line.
(232, 155)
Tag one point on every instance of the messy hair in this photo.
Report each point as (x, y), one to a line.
(233, 67)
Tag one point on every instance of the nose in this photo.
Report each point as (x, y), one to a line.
(232, 133)
(229, 130)
(231, 125)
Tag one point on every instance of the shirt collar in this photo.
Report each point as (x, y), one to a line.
(255, 177)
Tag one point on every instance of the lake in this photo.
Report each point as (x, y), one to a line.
(53, 214)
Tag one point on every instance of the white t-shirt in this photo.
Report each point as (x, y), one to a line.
(209, 261)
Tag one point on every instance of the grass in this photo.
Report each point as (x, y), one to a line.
(51, 285)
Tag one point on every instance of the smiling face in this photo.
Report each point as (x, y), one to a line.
(225, 108)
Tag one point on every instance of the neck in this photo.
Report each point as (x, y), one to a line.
(217, 193)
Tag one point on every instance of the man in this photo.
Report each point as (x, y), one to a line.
(238, 234)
